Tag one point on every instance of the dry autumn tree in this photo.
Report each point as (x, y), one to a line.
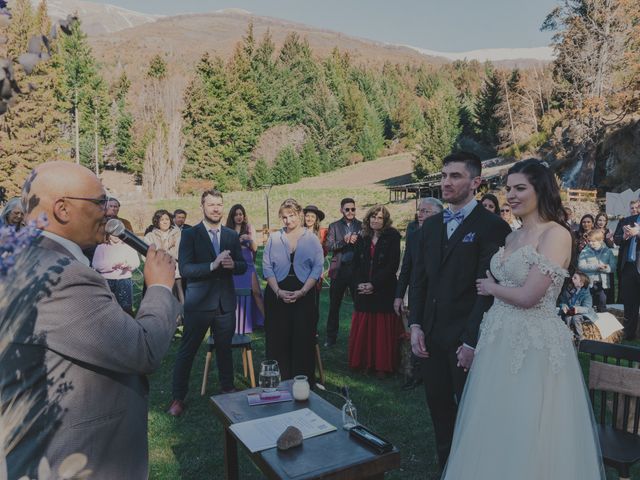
(596, 45)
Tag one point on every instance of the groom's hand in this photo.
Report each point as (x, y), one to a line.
(465, 357)
(417, 342)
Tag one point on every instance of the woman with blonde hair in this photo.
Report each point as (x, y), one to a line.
(292, 264)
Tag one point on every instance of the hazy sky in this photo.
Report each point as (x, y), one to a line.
(444, 25)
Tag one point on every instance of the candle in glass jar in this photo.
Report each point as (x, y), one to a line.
(300, 388)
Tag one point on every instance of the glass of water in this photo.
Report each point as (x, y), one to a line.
(269, 376)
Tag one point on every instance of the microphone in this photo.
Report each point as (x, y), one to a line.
(116, 228)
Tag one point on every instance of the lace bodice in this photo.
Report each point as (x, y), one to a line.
(538, 326)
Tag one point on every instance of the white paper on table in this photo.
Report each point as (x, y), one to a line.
(262, 433)
(607, 324)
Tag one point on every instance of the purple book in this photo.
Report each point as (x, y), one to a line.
(260, 398)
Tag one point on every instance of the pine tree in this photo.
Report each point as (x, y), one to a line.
(31, 131)
(157, 68)
(261, 175)
(298, 76)
(122, 133)
(371, 139)
(80, 77)
(442, 127)
(327, 128)
(219, 127)
(487, 122)
(310, 160)
(286, 168)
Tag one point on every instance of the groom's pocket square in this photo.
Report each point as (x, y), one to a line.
(469, 237)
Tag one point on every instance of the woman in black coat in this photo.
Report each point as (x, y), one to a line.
(375, 328)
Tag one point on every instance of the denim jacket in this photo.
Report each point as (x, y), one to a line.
(580, 300)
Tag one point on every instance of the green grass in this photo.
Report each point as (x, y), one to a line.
(191, 447)
(327, 199)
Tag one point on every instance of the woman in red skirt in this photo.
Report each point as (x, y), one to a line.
(375, 328)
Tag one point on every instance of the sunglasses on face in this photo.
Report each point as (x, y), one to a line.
(350, 209)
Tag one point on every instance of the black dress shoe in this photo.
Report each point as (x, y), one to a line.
(412, 383)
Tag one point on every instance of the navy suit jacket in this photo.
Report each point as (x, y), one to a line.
(618, 238)
(207, 290)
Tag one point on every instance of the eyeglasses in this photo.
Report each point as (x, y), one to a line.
(101, 201)
(350, 209)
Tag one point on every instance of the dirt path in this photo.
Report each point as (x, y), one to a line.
(382, 172)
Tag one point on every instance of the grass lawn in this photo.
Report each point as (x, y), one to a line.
(191, 447)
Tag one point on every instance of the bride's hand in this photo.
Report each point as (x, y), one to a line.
(485, 285)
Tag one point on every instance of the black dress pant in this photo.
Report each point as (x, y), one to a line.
(196, 324)
(290, 331)
(444, 383)
(337, 289)
(630, 293)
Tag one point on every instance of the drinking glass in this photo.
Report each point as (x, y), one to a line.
(269, 376)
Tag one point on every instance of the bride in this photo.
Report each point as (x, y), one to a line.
(525, 413)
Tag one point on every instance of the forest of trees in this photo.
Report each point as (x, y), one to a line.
(208, 125)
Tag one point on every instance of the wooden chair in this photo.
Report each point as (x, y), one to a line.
(319, 366)
(240, 340)
(614, 381)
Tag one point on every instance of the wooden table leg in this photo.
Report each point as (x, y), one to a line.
(230, 456)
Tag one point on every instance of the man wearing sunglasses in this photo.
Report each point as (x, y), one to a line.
(341, 240)
(76, 362)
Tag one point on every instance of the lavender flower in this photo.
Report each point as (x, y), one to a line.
(13, 242)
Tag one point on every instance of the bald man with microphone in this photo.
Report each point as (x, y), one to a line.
(76, 362)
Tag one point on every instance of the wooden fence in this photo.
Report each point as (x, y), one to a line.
(575, 195)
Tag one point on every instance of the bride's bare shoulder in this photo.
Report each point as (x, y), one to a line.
(555, 243)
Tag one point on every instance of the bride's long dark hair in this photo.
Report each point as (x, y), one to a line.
(546, 187)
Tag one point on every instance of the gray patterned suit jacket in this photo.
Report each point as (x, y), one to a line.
(76, 363)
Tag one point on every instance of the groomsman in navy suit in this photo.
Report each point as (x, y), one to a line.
(208, 257)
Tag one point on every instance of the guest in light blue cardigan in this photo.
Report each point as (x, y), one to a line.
(292, 264)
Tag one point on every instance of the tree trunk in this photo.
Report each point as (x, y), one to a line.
(76, 116)
(506, 92)
(95, 140)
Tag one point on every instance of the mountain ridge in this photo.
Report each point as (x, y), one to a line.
(100, 19)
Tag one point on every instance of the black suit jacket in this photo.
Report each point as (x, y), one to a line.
(207, 290)
(443, 296)
(618, 238)
(408, 261)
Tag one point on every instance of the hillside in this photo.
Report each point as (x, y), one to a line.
(98, 18)
(183, 39)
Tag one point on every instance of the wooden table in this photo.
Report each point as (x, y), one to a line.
(330, 456)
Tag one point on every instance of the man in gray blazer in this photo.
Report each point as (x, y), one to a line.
(75, 367)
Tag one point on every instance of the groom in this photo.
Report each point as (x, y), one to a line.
(455, 248)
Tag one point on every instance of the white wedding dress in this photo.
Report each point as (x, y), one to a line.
(525, 413)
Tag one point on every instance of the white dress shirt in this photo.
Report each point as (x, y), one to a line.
(466, 210)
